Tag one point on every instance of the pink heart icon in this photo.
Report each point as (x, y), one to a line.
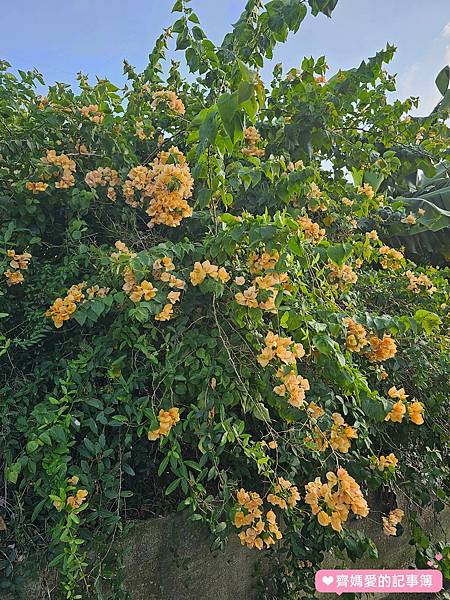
(430, 563)
(327, 579)
(438, 556)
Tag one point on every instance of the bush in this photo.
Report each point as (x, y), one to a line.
(202, 311)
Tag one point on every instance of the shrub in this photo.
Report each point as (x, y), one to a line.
(202, 309)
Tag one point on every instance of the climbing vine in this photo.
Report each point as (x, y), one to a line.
(204, 308)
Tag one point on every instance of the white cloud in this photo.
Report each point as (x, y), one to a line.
(447, 54)
(446, 31)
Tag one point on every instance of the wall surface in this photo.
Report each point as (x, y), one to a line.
(170, 559)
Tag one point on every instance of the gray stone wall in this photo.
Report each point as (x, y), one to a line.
(170, 559)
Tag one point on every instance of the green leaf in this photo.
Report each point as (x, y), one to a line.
(173, 486)
(443, 80)
(427, 320)
(13, 471)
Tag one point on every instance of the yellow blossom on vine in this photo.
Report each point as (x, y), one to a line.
(145, 290)
(295, 386)
(166, 314)
(206, 269)
(263, 262)
(63, 308)
(420, 283)
(331, 502)
(253, 139)
(393, 392)
(13, 277)
(315, 411)
(396, 413)
(384, 462)
(381, 349)
(164, 187)
(342, 276)
(66, 164)
(356, 335)
(392, 520)
(367, 190)
(341, 434)
(372, 235)
(170, 99)
(36, 187)
(409, 219)
(391, 258)
(167, 420)
(280, 347)
(415, 411)
(76, 501)
(312, 231)
(92, 113)
(284, 494)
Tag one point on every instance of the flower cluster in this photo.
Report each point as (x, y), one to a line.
(295, 386)
(36, 187)
(170, 99)
(167, 420)
(341, 434)
(92, 113)
(19, 262)
(144, 290)
(161, 271)
(415, 412)
(122, 250)
(63, 308)
(257, 263)
(332, 501)
(398, 410)
(263, 528)
(166, 185)
(356, 335)
(343, 276)
(392, 520)
(315, 197)
(73, 501)
(283, 348)
(253, 139)
(96, 291)
(384, 462)
(284, 494)
(366, 190)
(103, 176)
(420, 283)
(65, 163)
(409, 219)
(251, 297)
(206, 269)
(312, 231)
(381, 349)
(391, 258)
(76, 501)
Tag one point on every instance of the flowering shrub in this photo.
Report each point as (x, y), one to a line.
(194, 305)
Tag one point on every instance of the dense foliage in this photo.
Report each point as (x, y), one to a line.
(202, 307)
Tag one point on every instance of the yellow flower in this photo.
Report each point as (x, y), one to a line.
(76, 501)
(415, 411)
(397, 413)
(167, 419)
(73, 480)
(166, 314)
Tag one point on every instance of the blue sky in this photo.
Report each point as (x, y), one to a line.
(61, 38)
